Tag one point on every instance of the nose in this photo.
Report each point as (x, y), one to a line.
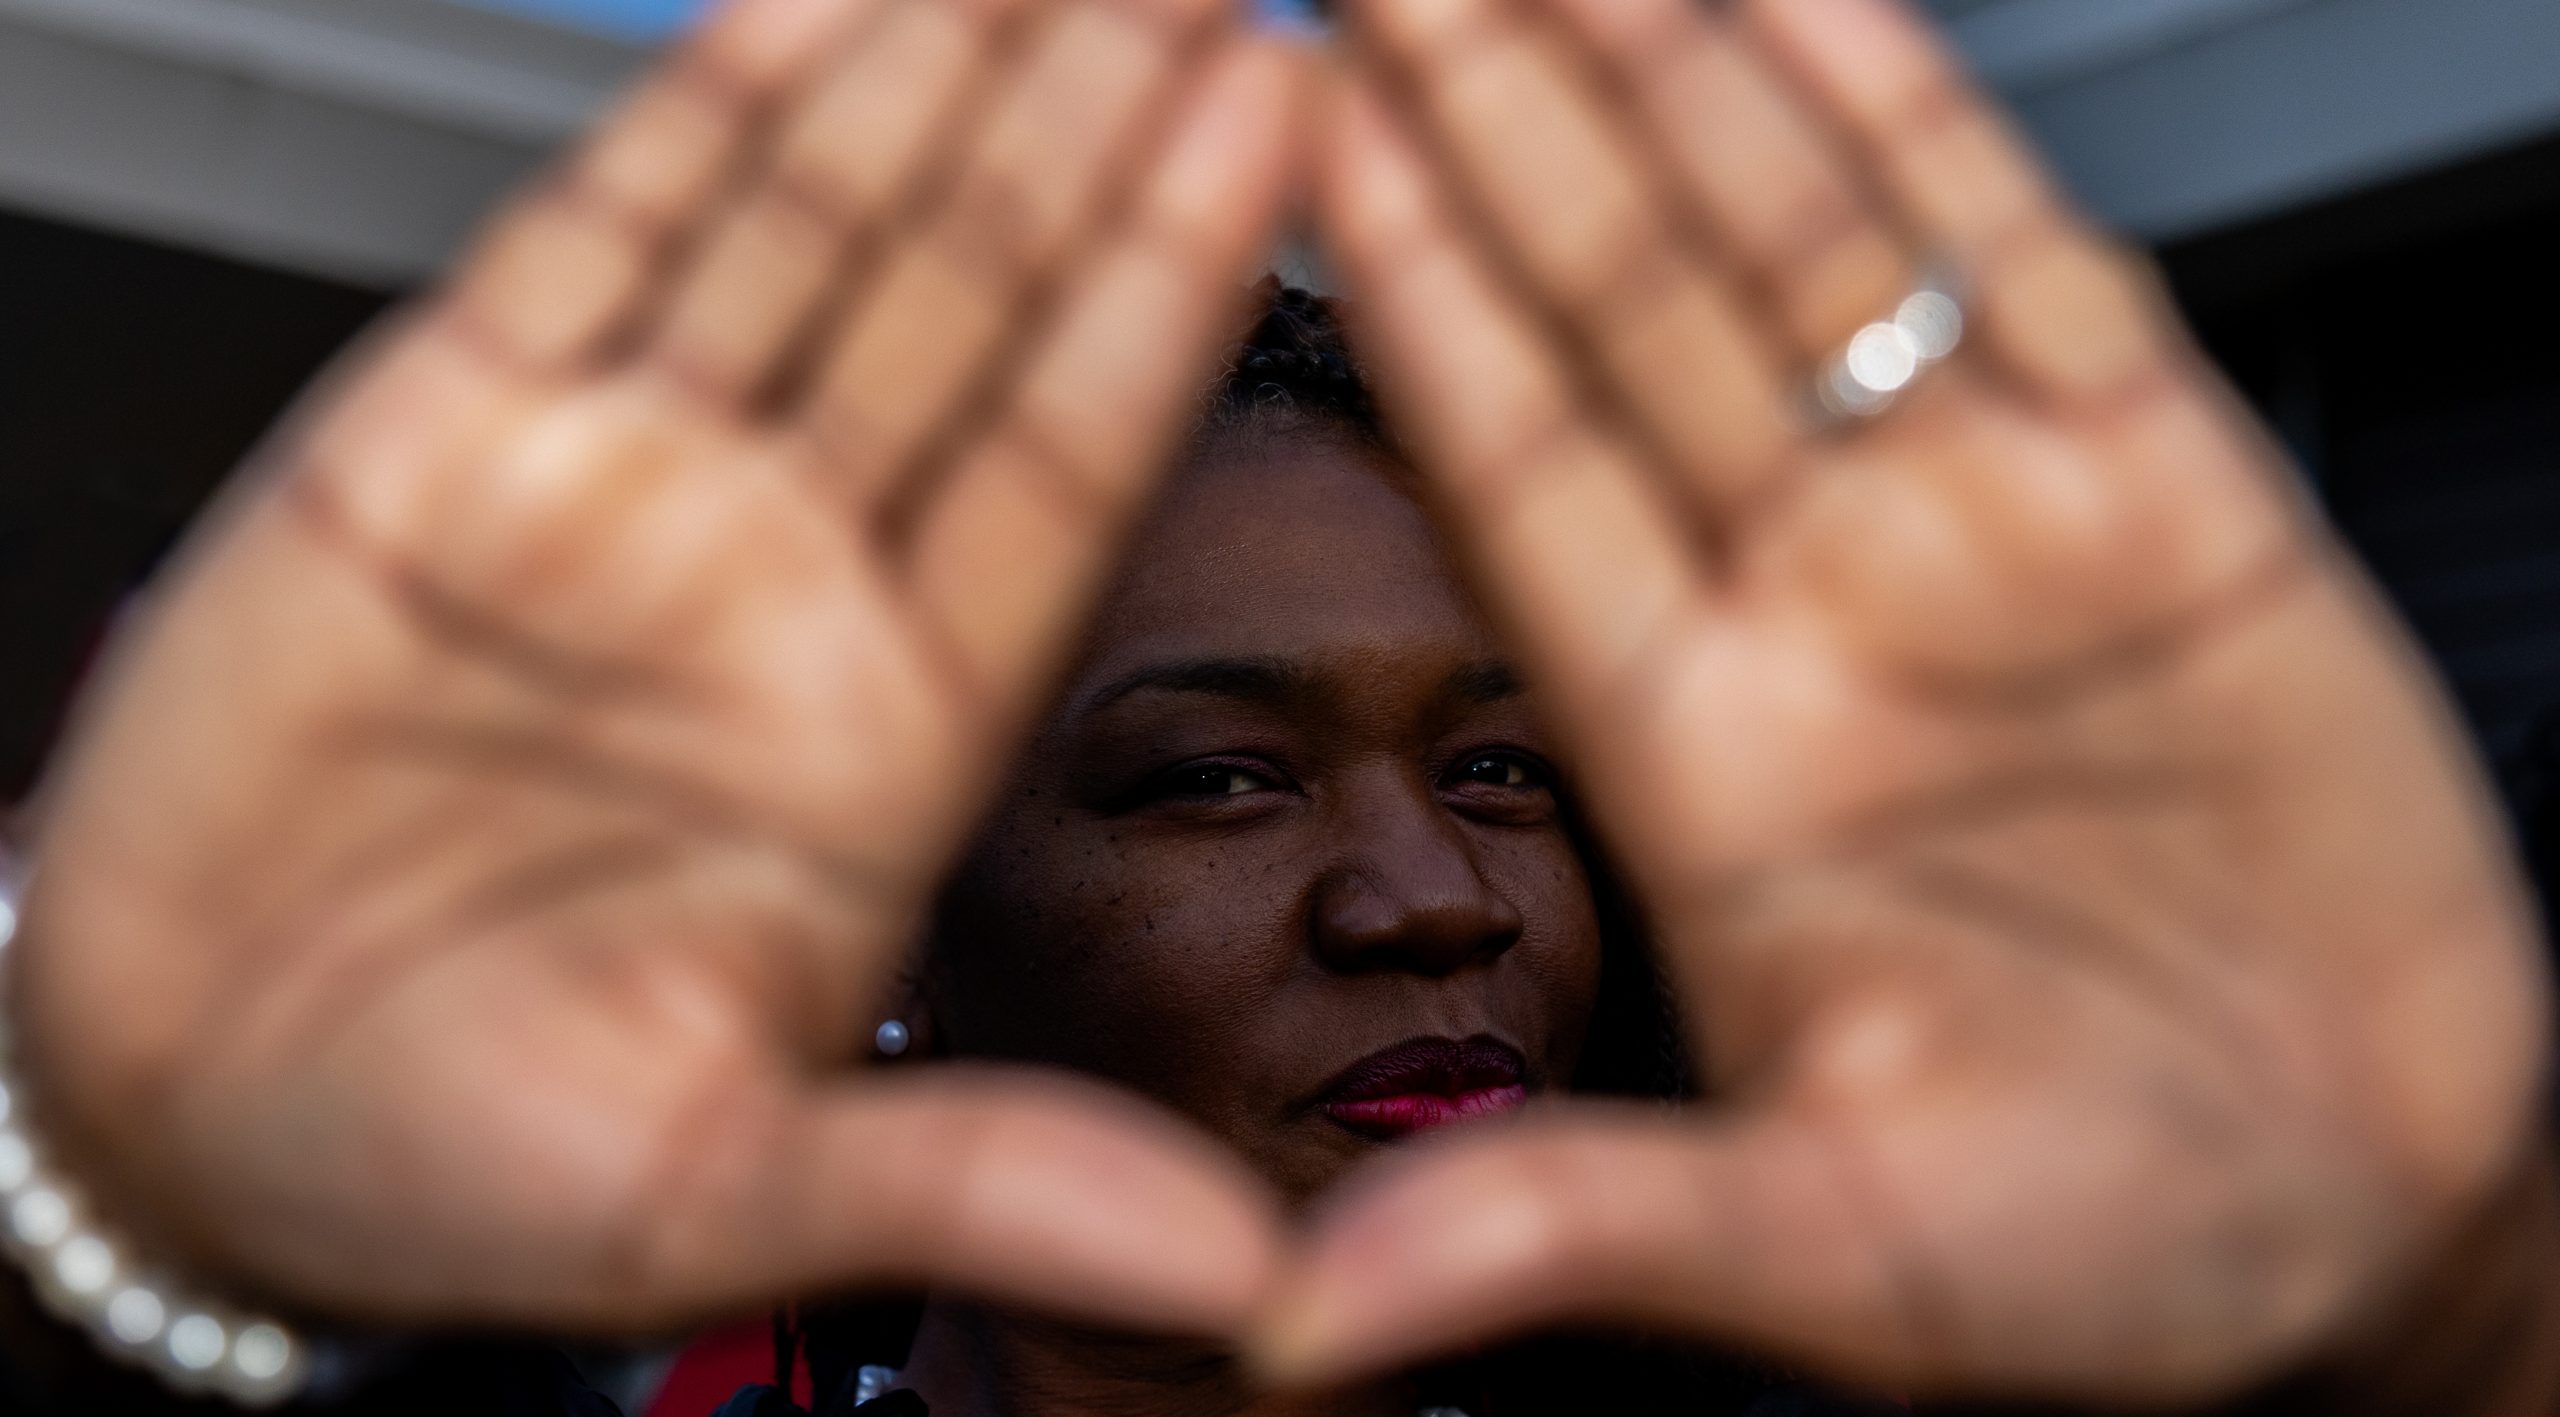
(1408, 893)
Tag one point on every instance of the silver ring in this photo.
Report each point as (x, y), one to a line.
(1881, 362)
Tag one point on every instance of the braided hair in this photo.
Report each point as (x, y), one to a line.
(1293, 371)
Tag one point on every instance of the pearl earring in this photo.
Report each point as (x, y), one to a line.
(892, 1039)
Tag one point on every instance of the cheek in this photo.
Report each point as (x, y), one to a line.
(1117, 953)
(1558, 958)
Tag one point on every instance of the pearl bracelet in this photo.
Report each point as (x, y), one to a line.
(86, 1276)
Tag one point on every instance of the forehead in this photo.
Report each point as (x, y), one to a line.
(1285, 549)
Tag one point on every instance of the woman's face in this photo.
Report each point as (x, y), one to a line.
(1289, 855)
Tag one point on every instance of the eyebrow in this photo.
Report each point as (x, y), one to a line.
(1255, 680)
(1487, 681)
(1271, 680)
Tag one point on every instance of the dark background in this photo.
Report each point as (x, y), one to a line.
(2405, 343)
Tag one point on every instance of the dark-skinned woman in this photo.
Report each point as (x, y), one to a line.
(2107, 981)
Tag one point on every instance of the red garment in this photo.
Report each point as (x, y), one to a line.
(714, 1366)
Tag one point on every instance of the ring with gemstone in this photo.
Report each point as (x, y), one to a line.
(1882, 361)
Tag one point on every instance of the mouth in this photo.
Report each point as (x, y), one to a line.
(1425, 1083)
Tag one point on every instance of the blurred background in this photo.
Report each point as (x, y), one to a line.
(2357, 201)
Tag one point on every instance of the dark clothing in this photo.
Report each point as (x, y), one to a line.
(766, 1402)
(49, 1371)
(769, 1402)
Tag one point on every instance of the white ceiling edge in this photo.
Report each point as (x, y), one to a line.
(472, 70)
(361, 139)
(2021, 46)
(2301, 104)
(468, 67)
(194, 156)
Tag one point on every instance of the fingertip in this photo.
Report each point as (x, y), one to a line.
(1372, 189)
(1264, 67)
(1399, 1269)
(1271, 81)
(1232, 157)
(1076, 1198)
(1859, 40)
(1303, 1334)
(1199, 1237)
(760, 43)
(1336, 134)
(1596, 1218)
(1811, 17)
(1293, 1342)
(1408, 31)
(1355, 119)
(1313, 1330)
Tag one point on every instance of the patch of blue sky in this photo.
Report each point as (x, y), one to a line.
(623, 19)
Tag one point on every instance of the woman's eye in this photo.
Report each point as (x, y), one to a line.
(1501, 770)
(1212, 780)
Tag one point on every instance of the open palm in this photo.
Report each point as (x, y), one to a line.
(455, 902)
(2107, 975)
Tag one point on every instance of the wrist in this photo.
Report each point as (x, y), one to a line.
(2477, 1334)
(87, 1276)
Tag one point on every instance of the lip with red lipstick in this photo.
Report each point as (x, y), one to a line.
(1425, 1083)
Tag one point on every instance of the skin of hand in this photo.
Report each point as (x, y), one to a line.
(461, 899)
(2110, 978)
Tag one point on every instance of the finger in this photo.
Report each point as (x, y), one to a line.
(1028, 1190)
(921, 343)
(1559, 186)
(1008, 553)
(1581, 555)
(2058, 309)
(843, 162)
(1755, 176)
(568, 269)
(1744, 1236)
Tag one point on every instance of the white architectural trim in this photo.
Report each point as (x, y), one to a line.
(471, 70)
(2027, 45)
(2298, 103)
(362, 138)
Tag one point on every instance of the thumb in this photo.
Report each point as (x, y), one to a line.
(1740, 1233)
(1021, 1188)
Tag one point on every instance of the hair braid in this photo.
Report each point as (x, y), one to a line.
(1295, 364)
